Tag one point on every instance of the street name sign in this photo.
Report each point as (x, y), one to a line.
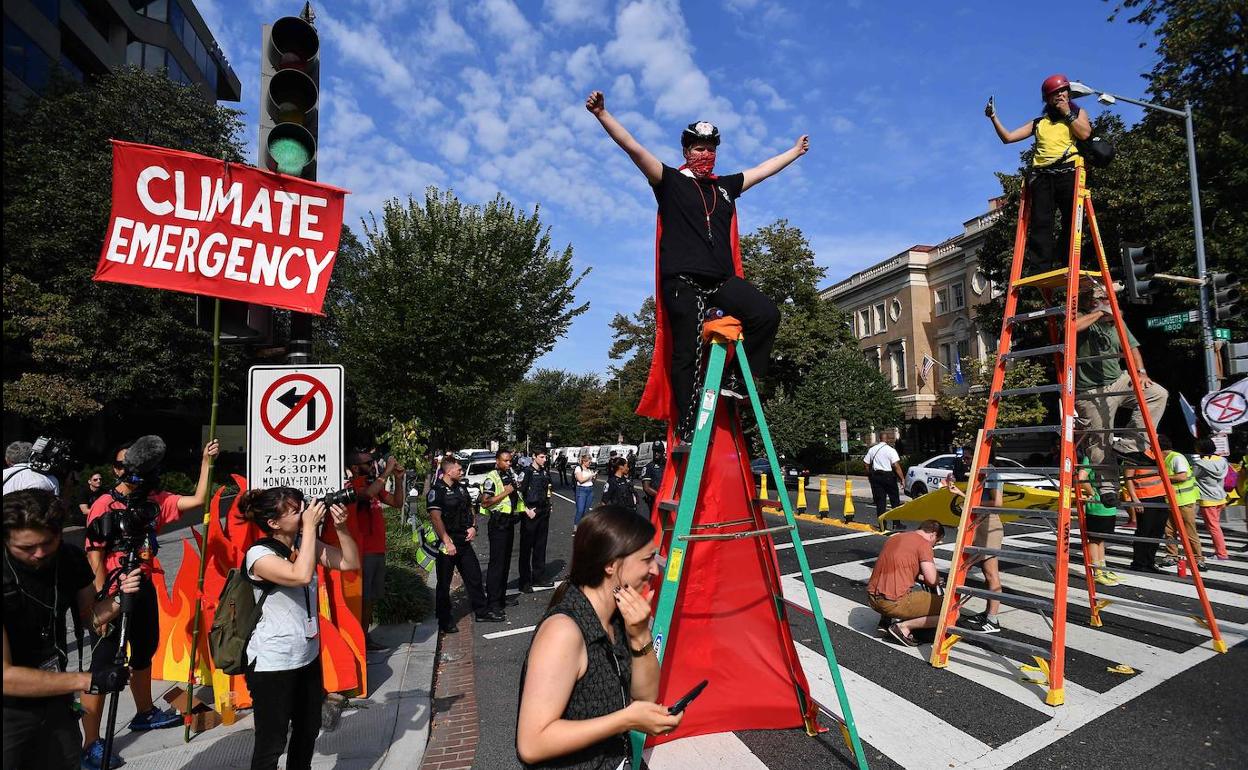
(294, 428)
(1174, 321)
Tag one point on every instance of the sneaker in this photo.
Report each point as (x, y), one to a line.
(1200, 565)
(1102, 578)
(93, 756)
(980, 623)
(156, 719)
(894, 630)
(1167, 561)
(1114, 576)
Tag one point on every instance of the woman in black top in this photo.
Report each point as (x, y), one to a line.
(619, 490)
(591, 673)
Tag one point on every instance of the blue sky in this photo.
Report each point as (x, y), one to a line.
(486, 96)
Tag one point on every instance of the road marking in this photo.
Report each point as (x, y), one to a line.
(508, 632)
(817, 540)
(879, 712)
(724, 750)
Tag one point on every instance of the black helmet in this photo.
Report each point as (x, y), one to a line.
(702, 131)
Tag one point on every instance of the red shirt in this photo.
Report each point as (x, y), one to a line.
(169, 512)
(898, 566)
(372, 527)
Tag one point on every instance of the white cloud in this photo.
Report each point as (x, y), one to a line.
(444, 36)
(504, 20)
(584, 65)
(576, 12)
(774, 100)
(365, 46)
(454, 147)
(624, 90)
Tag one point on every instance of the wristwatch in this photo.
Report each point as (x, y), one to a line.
(644, 650)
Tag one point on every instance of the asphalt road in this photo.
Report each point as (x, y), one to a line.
(1183, 708)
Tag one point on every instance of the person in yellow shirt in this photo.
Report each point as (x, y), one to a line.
(1051, 178)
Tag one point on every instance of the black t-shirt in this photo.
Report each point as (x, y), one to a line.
(683, 205)
(654, 474)
(455, 505)
(36, 602)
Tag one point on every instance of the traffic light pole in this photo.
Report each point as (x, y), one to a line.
(1206, 330)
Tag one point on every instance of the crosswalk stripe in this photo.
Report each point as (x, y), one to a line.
(983, 667)
(818, 540)
(723, 750)
(888, 721)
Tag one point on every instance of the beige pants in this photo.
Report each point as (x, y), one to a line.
(1188, 512)
(915, 604)
(1099, 413)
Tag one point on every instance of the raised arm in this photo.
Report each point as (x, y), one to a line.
(649, 165)
(1006, 136)
(774, 165)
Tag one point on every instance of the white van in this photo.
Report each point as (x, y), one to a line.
(604, 453)
(645, 454)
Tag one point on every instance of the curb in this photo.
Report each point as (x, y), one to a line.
(455, 727)
(410, 732)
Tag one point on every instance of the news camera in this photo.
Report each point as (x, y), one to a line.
(132, 527)
(48, 453)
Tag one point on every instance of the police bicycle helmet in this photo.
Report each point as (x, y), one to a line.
(702, 131)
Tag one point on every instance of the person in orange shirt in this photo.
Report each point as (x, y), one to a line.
(1144, 485)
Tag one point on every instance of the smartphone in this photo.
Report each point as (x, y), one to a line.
(992, 107)
(680, 705)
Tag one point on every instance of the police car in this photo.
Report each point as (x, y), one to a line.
(476, 468)
(931, 474)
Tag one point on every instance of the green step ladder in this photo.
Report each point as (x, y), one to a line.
(685, 504)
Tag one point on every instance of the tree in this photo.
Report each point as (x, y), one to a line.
(968, 403)
(842, 385)
(632, 341)
(778, 259)
(74, 348)
(547, 406)
(444, 308)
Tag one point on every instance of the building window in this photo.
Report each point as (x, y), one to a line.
(950, 298)
(942, 301)
(152, 9)
(957, 296)
(149, 57)
(964, 350)
(894, 310)
(878, 318)
(864, 323)
(897, 367)
(873, 358)
(24, 58)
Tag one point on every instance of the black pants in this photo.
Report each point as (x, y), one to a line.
(142, 633)
(502, 531)
(759, 317)
(286, 703)
(1049, 192)
(465, 560)
(563, 475)
(533, 534)
(884, 491)
(1149, 522)
(42, 732)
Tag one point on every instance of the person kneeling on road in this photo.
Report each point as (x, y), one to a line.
(891, 590)
(591, 673)
(283, 668)
(44, 579)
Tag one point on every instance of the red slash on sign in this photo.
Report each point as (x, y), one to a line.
(295, 402)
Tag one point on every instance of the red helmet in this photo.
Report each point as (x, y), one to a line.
(1053, 83)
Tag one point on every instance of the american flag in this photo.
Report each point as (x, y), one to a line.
(928, 363)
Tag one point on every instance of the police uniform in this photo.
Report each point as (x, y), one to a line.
(537, 487)
(653, 472)
(503, 517)
(455, 508)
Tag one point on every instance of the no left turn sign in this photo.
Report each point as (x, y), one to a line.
(294, 428)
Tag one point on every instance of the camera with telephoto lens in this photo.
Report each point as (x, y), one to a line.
(132, 527)
(341, 497)
(48, 453)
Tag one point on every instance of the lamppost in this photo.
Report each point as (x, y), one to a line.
(1206, 328)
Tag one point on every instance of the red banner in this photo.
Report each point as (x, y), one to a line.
(189, 223)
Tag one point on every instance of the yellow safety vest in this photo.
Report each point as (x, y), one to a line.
(504, 506)
(1185, 492)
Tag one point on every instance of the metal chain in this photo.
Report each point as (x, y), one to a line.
(700, 295)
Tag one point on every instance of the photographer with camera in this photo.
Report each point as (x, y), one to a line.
(44, 579)
(283, 654)
(370, 491)
(28, 466)
(123, 524)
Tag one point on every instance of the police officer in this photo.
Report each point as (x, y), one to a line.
(652, 475)
(44, 579)
(535, 524)
(502, 502)
(450, 508)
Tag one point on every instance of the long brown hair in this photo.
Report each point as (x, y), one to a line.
(260, 505)
(607, 533)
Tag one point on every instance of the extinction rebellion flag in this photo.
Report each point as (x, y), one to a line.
(199, 225)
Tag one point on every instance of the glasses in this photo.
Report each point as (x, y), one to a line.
(119, 465)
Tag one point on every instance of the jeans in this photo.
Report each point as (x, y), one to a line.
(282, 701)
(584, 497)
(465, 560)
(533, 533)
(502, 531)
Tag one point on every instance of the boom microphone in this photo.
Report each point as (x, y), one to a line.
(145, 456)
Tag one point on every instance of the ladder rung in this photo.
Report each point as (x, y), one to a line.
(1024, 429)
(1053, 279)
(1125, 538)
(1036, 315)
(1034, 390)
(1022, 512)
(996, 640)
(1107, 394)
(720, 524)
(680, 450)
(1030, 471)
(1100, 357)
(739, 535)
(1148, 504)
(1032, 352)
(1024, 557)
(668, 505)
(1014, 600)
(1111, 431)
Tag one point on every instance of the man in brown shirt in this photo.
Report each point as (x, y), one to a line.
(906, 558)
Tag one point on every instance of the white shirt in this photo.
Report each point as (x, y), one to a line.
(881, 457)
(584, 477)
(281, 641)
(21, 476)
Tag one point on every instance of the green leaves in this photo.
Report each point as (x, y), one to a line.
(968, 403)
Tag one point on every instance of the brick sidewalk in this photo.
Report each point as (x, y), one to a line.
(454, 733)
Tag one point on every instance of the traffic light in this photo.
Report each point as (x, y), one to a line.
(290, 78)
(240, 321)
(1226, 296)
(1237, 355)
(1137, 273)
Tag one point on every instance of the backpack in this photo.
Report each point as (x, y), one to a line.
(1231, 482)
(237, 614)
